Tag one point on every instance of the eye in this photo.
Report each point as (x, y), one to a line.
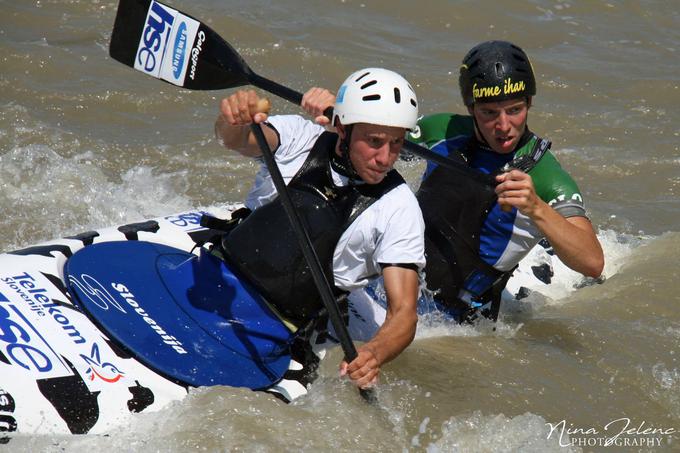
(375, 142)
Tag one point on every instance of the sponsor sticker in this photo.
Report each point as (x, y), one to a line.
(176, 62)
(99, 369)
(166, 43)
(22, 344)
(7, 422)
(188, 220)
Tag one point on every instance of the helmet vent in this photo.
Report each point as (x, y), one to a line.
(371, 97)
(519, 57)
(368, 84)
(413, 103)
(362, 76)
(397, 95)
(499, 69)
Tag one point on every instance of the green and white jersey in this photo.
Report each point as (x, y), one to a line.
(505, 237)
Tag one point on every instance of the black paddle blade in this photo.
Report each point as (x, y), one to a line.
(167, 44)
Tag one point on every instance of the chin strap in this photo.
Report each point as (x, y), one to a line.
(343, 164)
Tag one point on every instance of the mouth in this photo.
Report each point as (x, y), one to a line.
(505, 141)
(378, 174)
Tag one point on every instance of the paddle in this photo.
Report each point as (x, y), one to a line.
(142, 33)
(169, 45)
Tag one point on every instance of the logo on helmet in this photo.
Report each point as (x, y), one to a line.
(509, 87)
(341, 94)
(485, 92)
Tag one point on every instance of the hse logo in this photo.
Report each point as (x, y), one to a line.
(36, 299)
(106, 371)
(509, 87)
(22, 344)
(166, 40)
(154, 38)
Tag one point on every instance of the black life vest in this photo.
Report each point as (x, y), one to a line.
(264, 250)
(454, 209)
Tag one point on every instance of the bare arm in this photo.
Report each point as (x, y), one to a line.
(573, 238)
(315, 101)
(237, 113)
(395, 334)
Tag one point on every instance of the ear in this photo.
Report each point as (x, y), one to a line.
(342, 133)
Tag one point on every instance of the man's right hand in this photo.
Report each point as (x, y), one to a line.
(237, 113)
(364, 369)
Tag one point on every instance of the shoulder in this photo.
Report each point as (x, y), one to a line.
(296, 134)
(555, 185)
(399, 205)
(441, 126)
(294, 125)
(399, 229)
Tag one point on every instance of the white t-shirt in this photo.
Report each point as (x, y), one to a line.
(391, 230)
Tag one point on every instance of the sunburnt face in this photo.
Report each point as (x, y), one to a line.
(501, 123)
(374, 149)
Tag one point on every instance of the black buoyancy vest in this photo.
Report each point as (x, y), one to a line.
(264, 250)
(454, 208)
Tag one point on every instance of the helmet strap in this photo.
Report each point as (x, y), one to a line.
(343, 164)
(479, 136)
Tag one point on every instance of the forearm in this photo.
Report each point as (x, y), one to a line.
(399, 328)
(238, 138)
(573, 240)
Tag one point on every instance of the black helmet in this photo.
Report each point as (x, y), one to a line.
(495, 71)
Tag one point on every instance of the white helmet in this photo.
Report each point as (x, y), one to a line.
(376, 96)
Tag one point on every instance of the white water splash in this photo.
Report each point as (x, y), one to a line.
(496, 433)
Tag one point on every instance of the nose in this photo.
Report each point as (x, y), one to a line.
(503, 122)
(382, 156)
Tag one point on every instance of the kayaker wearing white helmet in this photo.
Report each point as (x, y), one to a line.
(363, 219)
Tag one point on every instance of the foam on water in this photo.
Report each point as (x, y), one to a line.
(49, 195)
(617, 248)
(564, 283)
(497, 433)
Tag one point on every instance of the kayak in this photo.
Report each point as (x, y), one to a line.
(127, 319)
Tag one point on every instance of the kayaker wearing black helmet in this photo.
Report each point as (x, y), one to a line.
(476, 234)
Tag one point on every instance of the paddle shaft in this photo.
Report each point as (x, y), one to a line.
(309, 253)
